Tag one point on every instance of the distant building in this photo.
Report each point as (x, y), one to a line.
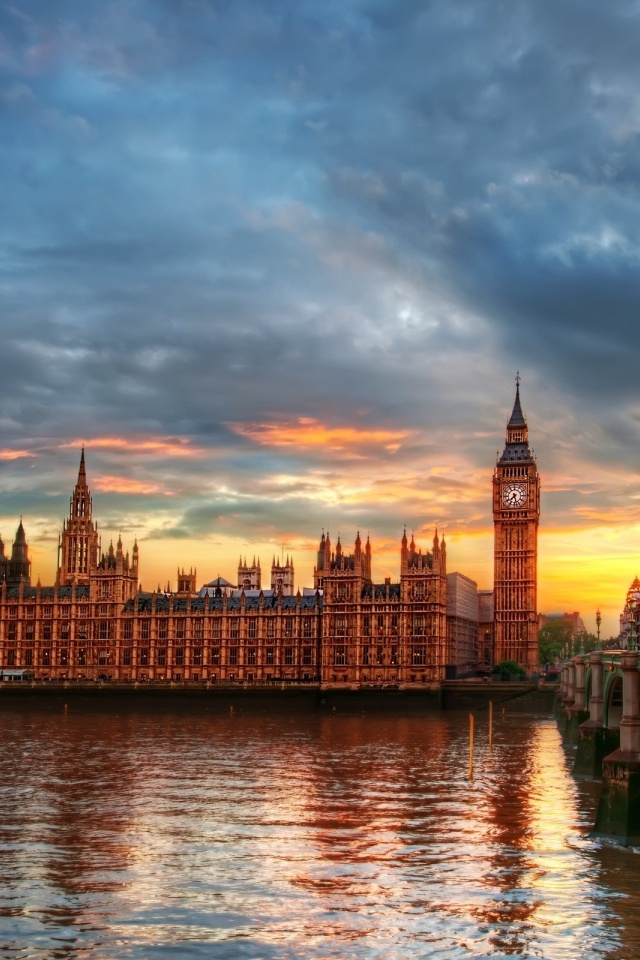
(573, 620)
(16, 568)
(217, 588)
(249, 577)
(630, 616)
(485, 629)
(462, 623)
(282, 577)
(186, 582)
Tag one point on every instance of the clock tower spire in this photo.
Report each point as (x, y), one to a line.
(516, 513)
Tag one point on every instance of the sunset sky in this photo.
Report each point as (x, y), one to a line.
(276, 264)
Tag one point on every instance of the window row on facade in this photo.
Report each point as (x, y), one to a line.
(417, 654)
(162, 628)
(375, 624)
(159, 656)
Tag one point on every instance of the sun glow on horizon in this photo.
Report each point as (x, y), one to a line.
(309, 433)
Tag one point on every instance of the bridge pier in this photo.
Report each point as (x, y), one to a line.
(595, 741)
(568, 695)
(560, 697)
(576, 712)
(619, 807)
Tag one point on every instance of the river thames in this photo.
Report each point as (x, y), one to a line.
(157, 835)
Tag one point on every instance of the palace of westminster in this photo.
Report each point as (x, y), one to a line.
(96, 623)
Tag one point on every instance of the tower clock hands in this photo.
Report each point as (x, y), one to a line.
(514, 494)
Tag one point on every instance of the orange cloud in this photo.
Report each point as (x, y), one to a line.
(15, 454)
(170, 447)
(307, 433)
(110, 484)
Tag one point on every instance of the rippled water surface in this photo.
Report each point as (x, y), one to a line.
(173, 835)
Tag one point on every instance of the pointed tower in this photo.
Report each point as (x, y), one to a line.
(19, 564)
(79, 541)
(516, 514)
(404, 553)
(4, 562)
(323, 562)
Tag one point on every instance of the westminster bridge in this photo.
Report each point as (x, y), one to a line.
(599, 712)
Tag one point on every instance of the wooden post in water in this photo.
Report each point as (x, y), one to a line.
(470, 746)
(490, 724)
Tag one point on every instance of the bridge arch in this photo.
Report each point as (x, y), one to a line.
(588, 681)
(612, 707)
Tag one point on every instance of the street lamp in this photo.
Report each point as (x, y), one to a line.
(598, 622)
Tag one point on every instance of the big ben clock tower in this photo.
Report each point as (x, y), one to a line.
(516, 512)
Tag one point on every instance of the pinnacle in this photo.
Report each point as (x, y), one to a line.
(517, 416)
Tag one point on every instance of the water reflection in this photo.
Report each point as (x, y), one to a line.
(309, 837)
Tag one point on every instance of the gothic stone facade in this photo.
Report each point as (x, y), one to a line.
(95, 623)
(383, 632)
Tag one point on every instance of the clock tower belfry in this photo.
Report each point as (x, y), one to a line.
(516, 513)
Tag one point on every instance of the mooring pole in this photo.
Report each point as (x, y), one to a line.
(470, 746)
(490, 724)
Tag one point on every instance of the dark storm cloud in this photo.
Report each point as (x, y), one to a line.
(371, 212)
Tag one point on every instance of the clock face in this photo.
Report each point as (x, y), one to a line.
(514, 494)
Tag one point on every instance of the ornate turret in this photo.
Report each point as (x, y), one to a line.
(79, 541)
(323, 563)
(110, 575)
(367, 559)
(4, 563)
(356, 564)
